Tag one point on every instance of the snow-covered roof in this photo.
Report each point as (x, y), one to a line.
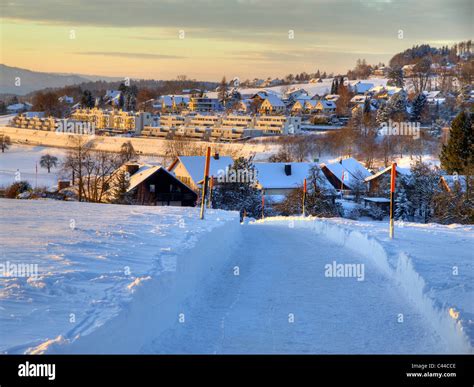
(352, 166)
(144, 172)
(166, 100)
(400, 170)
(431, 94)
(311, 103)
(273, 176)
(195, 165)
(332, 97)
(362, 87)
(358, 99)
(377, 200)
(274, 101)
(328, 104)
(390, 90)
(18, 106)
(112, 94)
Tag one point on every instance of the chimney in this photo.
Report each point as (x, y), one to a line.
(216, 156)
(288, 169)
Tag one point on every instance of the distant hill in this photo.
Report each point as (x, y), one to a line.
(34, 80)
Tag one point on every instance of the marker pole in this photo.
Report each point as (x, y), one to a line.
(304, 196)
(392, 197)
(206, 180)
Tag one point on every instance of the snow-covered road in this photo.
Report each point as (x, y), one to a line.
(282, 302)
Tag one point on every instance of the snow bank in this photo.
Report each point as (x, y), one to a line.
(398, 265)
(155, 306)
(101, 270)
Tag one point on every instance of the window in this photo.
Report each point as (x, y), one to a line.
(152, 187)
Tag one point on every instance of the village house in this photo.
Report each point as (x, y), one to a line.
(346, 174)
(277, 180)
(379, 183)
(310, 105)
(272, 105)
(155, 186)
(325, 107)
(362, 87)
(190, 169)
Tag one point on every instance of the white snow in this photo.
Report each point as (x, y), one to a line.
(92, 258)
(24, 160)
(132, 279)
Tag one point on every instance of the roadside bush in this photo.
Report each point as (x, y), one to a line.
(17, 188)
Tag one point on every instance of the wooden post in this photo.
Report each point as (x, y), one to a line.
(342, 182)
(211, 187)
(392, 197)
(263, 204)
(304, 196)
(206, 180)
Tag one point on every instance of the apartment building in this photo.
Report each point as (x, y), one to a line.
(117, 120)
(171, 121)
(33, 122)
(278, 125)
(203, 121)
(204, 104)
(237, 122)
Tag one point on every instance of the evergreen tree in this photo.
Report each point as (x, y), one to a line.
(87, 100)
(383, 114)
(120, 188)
(239, 195)
(402, 205)
(418, 105)
(458, 154)
(422, 185)
(395, 77)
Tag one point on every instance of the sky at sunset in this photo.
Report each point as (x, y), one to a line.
(206, 39)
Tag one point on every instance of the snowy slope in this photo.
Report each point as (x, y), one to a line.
(91, 259)
(23, 159)
(131, 279)
(312, 88)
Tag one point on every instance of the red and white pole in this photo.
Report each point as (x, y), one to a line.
(393, 177)
(206, 181)
(304, 196)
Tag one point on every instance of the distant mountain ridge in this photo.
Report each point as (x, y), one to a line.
(35, 80)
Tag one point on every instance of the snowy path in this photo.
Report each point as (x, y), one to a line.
(282, 274)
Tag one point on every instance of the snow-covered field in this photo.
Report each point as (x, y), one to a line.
(320, 89)
(131, 279)
(24, 160)
(90, 260)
